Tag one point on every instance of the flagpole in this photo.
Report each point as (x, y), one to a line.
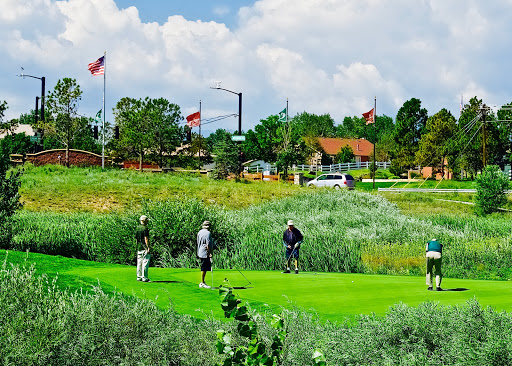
(286, 111)
(375, 140)
(103, 128)
(199, 135)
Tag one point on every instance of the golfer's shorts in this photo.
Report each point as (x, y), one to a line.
(292, 253)
(206, 264)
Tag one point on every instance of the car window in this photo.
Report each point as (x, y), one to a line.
(330, 176)
(349, 177)
(322, 177)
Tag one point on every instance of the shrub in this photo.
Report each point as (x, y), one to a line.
(9, 198)
(491, 188)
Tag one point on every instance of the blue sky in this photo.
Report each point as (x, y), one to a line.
(204, 10)
(326, 56)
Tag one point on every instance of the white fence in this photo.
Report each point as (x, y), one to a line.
(345, 167)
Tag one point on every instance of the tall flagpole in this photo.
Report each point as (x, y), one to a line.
(200, 135)
(375, 140)
(103, 128)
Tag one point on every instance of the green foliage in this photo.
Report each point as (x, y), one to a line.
(255, 352)
(226, 156)
(9, 199)
(7, 127)
(346, 155)
(491, 187)
(265, 141)
(19, 143)
(433, 146)
(42, 325)
(63, 122)
(345, 231)
(149, 125)
(410, 124)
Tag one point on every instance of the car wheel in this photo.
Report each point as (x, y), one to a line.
(336, 187)
(311, 186)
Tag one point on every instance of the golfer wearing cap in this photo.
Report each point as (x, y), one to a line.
(434, 250)
(204, 251)
(292, 238)
(143, 256)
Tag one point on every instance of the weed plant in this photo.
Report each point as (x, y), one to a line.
(345, 231)
(42, 325)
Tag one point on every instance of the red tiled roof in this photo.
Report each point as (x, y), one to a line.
(332, 146)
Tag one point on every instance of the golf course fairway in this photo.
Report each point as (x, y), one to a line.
(332, 296)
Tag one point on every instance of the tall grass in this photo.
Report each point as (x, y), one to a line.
(42, 325)
(344, 232)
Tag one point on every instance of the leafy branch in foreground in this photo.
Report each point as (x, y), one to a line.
(255, 353)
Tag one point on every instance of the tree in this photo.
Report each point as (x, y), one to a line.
(64, 123)
(410, 124)
(352, 128)
(136, 134)
(433, 147)
(225, 155)
(19, 143)
(307, 124)
(491, 187)
(345, 155)
(10, 182)
(469, 145)
(265, 141)
(7, 127)
(164, 118)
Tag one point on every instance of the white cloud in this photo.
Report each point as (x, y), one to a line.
(326, 56)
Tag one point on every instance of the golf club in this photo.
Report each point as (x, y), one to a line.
(211, 261)
(286, 263)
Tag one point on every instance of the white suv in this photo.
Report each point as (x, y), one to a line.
(335, 180)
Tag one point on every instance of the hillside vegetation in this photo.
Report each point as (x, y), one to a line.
(346, 231)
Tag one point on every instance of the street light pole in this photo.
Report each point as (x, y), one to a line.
(42, 89)
(239, 122)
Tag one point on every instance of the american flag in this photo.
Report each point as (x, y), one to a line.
(97, 67)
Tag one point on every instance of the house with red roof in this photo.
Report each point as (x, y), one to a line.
(362, 148)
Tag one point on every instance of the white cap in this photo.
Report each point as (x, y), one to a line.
(143, 218)
(290, 223)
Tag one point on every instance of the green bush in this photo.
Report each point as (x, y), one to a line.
(491, 187)
(345, 231)
(42, 325)
(9, 198)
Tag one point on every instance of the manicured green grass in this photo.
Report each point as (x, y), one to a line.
(333, 296)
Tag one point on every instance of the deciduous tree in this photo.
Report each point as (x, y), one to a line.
(433, 147)
(410, 124)
(63, 122)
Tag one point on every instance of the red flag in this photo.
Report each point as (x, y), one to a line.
(194, 120)
(369, 117)
(97, 67)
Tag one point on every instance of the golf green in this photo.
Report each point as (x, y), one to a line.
(333, 296)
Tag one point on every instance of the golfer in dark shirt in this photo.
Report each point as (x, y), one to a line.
(292, 238)
(143, 256)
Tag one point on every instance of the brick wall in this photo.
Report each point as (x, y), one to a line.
(58, 157)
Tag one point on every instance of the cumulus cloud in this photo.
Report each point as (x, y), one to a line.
(326, 56)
